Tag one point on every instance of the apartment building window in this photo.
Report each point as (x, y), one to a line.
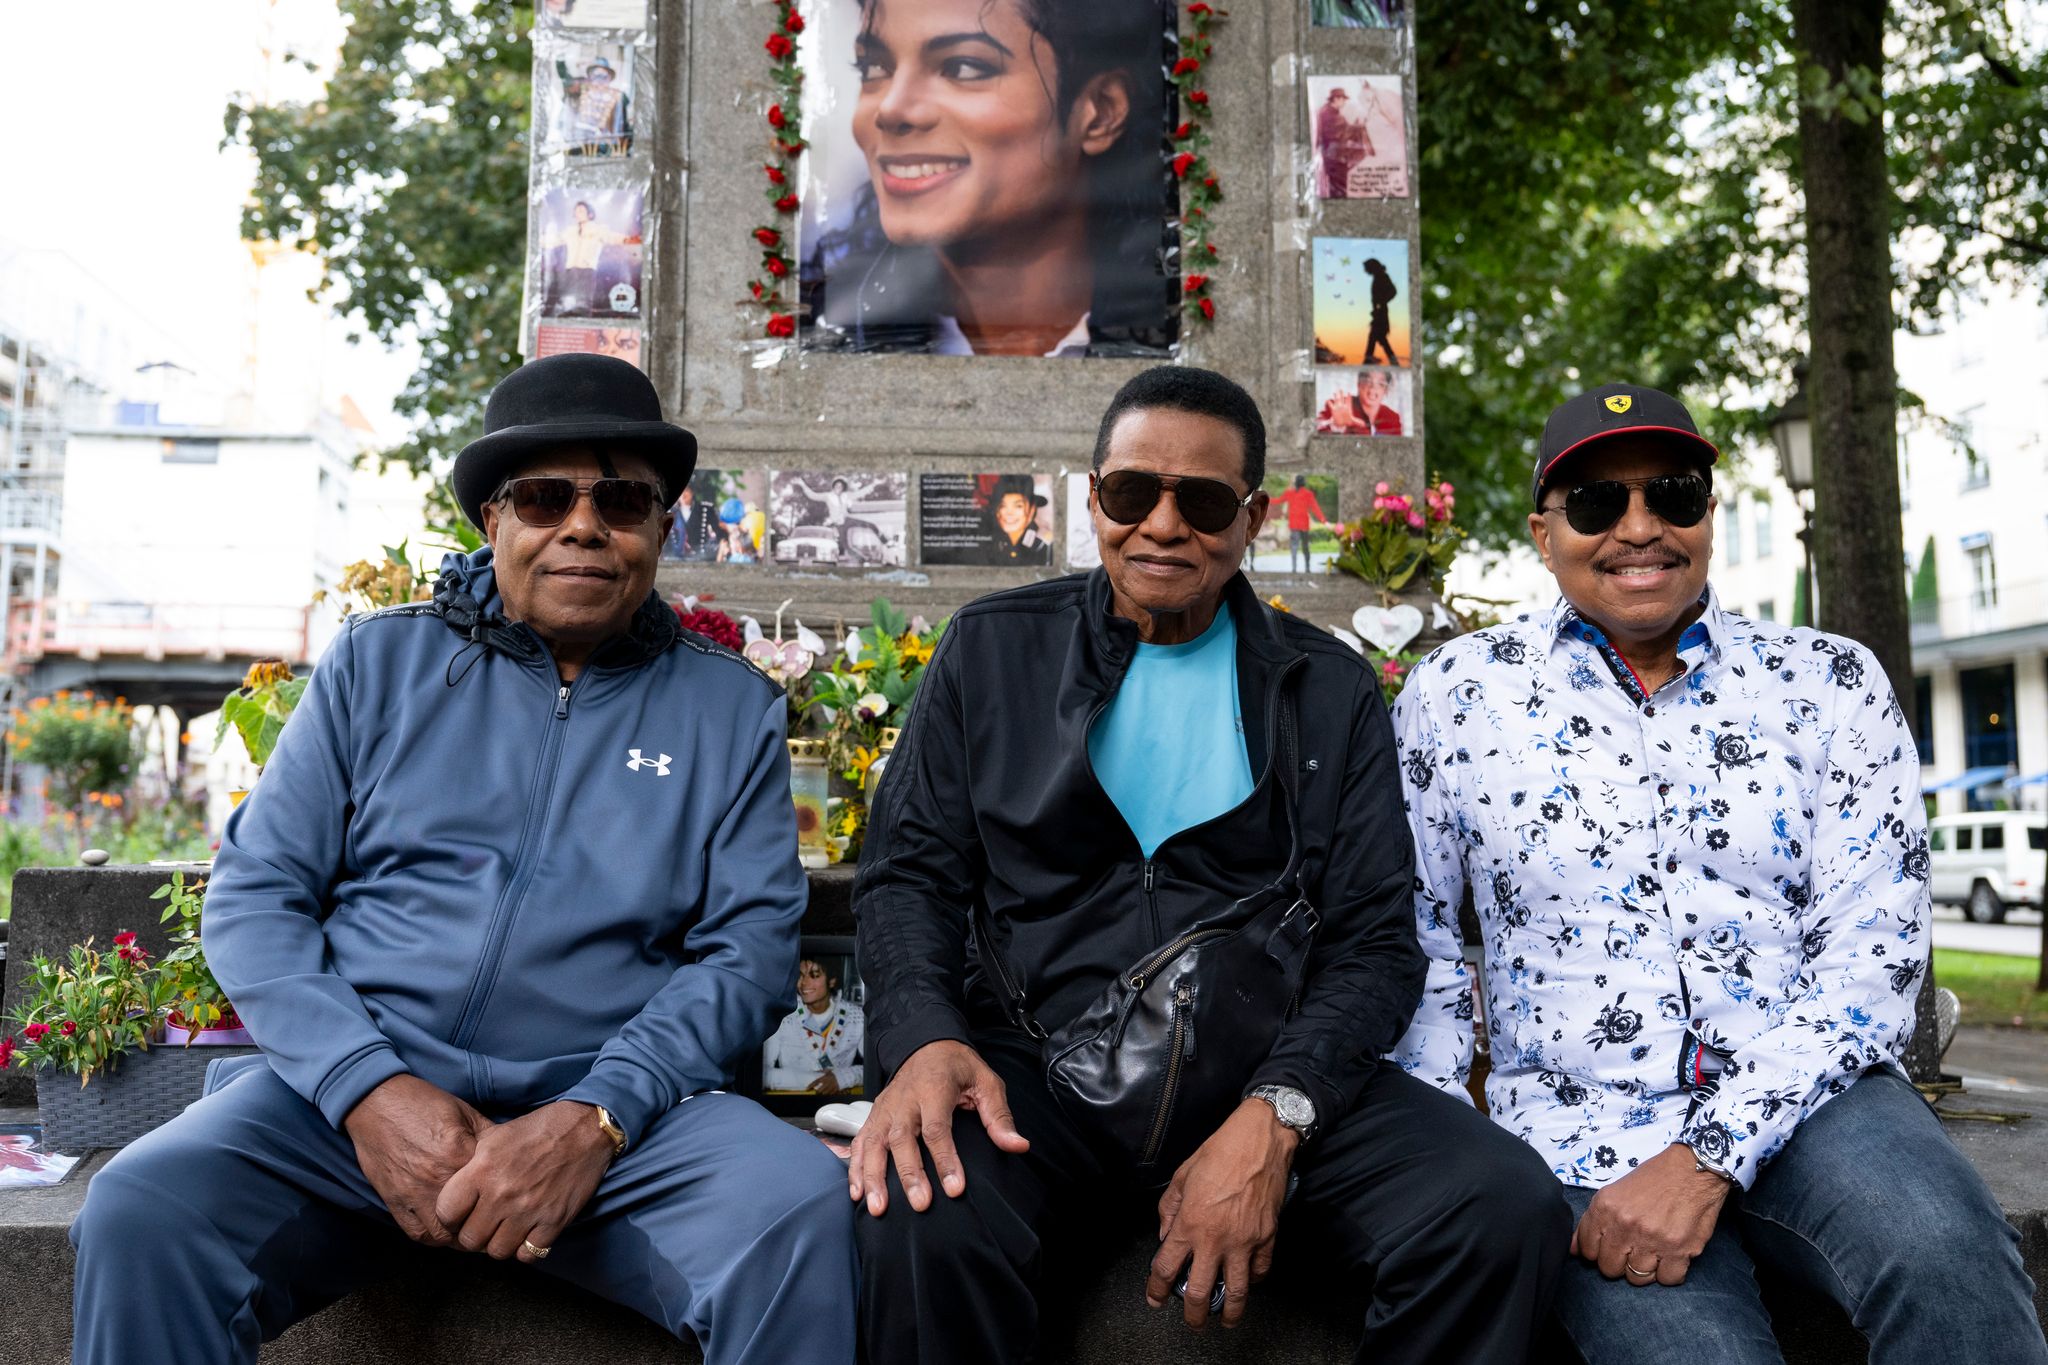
(191, 451)
(1763, 528)
(1983, 571)
(1731, 525)
(1767, 610)
(1976, 467)
(1989, 737)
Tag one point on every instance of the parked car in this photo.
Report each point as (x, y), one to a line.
(1988, 861)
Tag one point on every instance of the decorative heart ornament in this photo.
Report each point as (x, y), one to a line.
(1387, 629)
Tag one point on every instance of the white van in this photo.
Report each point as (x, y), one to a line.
(1988, 861)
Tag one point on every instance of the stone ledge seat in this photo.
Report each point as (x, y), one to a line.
(447, 1307)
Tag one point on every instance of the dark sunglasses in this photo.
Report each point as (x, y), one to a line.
(1592, 508)
(1127, 497)
(546, 500)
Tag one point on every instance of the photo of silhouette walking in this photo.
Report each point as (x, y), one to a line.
(1361, 301)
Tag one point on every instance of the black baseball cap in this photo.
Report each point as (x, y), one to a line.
(1617, 410)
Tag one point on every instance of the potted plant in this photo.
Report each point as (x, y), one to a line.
(94, 1016)
(865, 697)
(199, 1010)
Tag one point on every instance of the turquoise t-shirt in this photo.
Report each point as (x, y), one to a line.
(1169, 747)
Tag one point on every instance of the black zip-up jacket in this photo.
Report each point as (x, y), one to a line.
(990, 796)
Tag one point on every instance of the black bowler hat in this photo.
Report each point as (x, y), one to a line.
(1618, 410)
(577, 399)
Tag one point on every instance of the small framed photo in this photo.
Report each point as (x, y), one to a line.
(816, 1054)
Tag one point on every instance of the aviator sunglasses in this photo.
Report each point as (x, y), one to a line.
(1127, 497)
(545, 500)
(1592, 508)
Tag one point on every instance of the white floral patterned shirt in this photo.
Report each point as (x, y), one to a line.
(1729, 875)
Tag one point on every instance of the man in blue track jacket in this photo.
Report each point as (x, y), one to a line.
(517, 887)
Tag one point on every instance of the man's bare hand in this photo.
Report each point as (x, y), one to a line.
(528, 1180)
(1647, 1226)
(410, 1137)
(1221, 1214)
(917, 1105)
(826, 1084)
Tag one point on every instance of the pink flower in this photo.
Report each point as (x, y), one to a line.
(1382, 488)
(6, 1053)
(68, 1029)
(1415, 520)
(1445, 489)
(35, 1033)
(1391, 670)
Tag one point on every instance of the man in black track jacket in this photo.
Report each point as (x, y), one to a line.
(1090, 760)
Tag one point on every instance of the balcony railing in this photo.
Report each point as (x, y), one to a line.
(154, 631)
(2010, 606)
(25, 510)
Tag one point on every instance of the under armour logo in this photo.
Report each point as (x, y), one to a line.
(636, 763)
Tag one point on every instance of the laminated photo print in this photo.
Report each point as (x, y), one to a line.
(1028, 208)
(1300, 534)
(590, 252)
(25, 1163)
(621, 343)
(721, 517)
(845, 520)
(591, 13)
(1082, 551)
(1361, 301)
(818, 1048)
(985, 519)
(1359, 136)
(1372, 401)
(586, 100)
(1357, 13)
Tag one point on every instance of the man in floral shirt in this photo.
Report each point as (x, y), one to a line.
(1696, 846)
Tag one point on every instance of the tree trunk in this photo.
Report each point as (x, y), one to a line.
(1852, 387)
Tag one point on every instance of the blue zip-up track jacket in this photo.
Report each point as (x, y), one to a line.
(520, 891)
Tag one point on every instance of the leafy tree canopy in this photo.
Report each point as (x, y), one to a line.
(409, 179)
(1611, 191)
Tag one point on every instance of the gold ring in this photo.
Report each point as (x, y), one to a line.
(1630, 1267)
(538, 1253)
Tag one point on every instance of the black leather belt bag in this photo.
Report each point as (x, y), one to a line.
(1157, 1062)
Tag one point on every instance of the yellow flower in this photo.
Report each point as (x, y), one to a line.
(915, 651)
(863, 759)
(265, 671)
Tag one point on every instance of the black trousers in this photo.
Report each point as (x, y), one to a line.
(1448, 1230)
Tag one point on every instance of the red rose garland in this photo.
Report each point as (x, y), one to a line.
(1199, 191)
(786, 140)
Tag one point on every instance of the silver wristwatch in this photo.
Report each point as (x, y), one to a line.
(1290, 1106)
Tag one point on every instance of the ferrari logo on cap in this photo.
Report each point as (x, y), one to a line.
(1618, 403)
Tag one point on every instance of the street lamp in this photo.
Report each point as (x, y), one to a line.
(1792, 433)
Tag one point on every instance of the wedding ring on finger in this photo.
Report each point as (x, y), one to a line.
(1630, 1267)
(538, 1253)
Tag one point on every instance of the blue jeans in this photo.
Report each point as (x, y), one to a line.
(1869, 1204)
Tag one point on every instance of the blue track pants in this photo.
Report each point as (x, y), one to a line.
(248, 1212)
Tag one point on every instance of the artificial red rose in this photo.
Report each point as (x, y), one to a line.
(782, 325)
(779, 46)
(776, 118)
(794, 23)
(1199, 8)
(1200, 97)
(68, 1029)
(1210, 183)
(755, 285)
(777, 266)
(1185, 130)
(1182, 164)
(1208, 307)
(1208, 249)
(1186, 65)
(792, 149)
(1194, 213)
(787, 203)
(775, 174)
(712, 625)
(1195, 283)
(6, 1053)
(767, 236)
(35, 1033)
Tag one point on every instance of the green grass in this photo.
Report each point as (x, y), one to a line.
(1994, 989)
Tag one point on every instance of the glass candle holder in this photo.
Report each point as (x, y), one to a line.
(808, 789)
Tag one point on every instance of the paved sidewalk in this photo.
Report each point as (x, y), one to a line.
(2020, 936)
(1992, 1059)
